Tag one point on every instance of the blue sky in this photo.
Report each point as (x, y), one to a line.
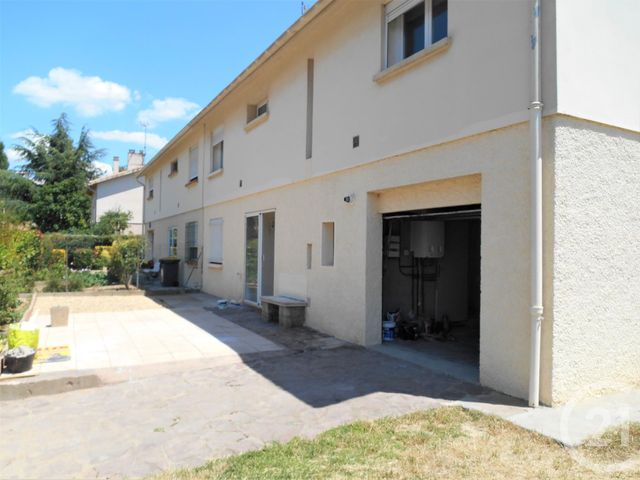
(113, 65)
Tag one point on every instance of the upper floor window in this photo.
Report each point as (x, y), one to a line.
(217, 150)
(256, 111)
(412, 25)
(150, 188)
(173, 169)
(193, 164)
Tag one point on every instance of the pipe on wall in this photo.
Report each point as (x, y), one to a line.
(535, 131)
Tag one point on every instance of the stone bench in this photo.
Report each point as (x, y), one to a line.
(287, 311)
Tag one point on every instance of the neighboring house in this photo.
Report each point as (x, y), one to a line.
(314, 173)
(122, 190)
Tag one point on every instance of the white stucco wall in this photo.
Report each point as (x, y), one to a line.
(596, 280)
(597, 56)
(120, 193)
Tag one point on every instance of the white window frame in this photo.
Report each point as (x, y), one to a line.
(399, 7)
(190, 242)
(194, 163)
(216, 252)
(172, 237)
(217, 139)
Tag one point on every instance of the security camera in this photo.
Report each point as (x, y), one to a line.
(349, 198)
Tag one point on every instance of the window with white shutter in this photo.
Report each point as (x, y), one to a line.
(193, 164)
(215, 241)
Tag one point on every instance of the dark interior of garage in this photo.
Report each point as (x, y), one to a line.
(431, 287)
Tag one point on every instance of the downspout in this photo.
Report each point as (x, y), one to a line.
(535, 131)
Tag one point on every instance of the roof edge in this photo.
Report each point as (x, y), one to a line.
(319, 7)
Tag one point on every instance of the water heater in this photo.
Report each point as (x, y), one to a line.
(427, 239)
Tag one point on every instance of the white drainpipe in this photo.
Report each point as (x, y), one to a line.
(535, 130)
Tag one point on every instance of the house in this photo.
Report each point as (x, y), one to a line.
(121, 190)
(392, 155)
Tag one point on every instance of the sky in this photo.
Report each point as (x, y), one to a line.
(114, 66)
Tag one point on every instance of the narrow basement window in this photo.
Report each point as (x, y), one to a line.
(328, 241)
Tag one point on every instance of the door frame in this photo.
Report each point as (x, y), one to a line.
(247, 215)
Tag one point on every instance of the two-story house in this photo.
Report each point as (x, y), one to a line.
(383, 156)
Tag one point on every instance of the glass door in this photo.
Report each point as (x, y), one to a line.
(252, 258)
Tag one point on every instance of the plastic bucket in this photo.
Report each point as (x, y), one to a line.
(17, 337)
(388, 331)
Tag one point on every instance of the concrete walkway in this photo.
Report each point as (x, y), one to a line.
(184, 418)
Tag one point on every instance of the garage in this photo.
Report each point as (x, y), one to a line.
(431, 288)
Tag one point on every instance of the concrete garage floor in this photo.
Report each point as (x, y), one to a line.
(183, 418)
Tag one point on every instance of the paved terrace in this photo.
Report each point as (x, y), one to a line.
(185, 416)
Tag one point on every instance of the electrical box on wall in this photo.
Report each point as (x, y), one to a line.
(427, 239)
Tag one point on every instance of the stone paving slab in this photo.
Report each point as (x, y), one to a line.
(185, 418)
(140, 331)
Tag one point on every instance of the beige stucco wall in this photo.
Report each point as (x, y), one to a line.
(596, 276)
(122, 193)
(345, 300)
(480, 83)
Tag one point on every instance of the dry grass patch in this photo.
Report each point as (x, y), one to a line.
(443, 443)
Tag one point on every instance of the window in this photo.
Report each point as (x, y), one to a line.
(328, 240)
(173, 242)
(150, 188)
(191, 242)
(261, 109)
(255, 111)
(173, 169)
(217, 150)
(215, 241)
(309, 255)
(193, 164)
(412, 25)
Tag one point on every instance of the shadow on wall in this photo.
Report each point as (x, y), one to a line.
(320, 370)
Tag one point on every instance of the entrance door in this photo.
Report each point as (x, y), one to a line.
(259, 256)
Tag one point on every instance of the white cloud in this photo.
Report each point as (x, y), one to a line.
(154, 141)
(167, 109)
(22, 133)
(90, 96)
(105, 168)
(14, 157)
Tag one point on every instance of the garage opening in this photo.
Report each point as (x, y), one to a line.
(431, 288)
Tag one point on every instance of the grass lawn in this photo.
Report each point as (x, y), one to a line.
(449, 443)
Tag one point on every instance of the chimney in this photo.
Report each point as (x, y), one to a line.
(135, 159)
(116, 165)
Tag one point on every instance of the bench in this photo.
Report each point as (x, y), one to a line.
(287, 311)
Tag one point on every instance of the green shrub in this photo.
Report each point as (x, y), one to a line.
(101, 256)
(82, 259)
(60, 281)
(90, 279)
(8, 301)
(127, 254)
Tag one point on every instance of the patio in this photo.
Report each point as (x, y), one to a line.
(134, 330)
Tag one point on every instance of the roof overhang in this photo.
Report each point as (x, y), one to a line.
(319, 7)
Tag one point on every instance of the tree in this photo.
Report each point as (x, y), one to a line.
(16, 195)
(127, 255)
(4, 160)
(113, 222)
(61, 171)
